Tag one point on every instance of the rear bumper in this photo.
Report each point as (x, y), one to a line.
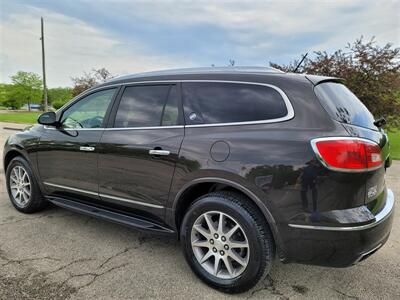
(340, 245)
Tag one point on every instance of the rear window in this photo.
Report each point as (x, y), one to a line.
(343, 106)
(215, 102)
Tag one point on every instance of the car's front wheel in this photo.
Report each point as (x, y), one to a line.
(227, 242)
(22, 187)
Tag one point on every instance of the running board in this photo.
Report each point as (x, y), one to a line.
(109, 215)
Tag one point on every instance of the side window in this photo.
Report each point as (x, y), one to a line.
(88, 112)
(147, 106)
(171, 110)
(214, 102)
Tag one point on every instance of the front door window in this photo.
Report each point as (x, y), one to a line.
(88, 112)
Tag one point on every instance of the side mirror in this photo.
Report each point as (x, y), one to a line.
(48, 118)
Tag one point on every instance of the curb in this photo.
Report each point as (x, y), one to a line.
(13, 128)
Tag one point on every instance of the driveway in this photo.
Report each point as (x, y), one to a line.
(57, 254)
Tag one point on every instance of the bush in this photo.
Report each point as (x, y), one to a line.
(58, 104)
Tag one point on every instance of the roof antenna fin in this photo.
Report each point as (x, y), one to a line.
(301, 61)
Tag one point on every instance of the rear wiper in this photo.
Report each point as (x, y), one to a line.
(380, 122)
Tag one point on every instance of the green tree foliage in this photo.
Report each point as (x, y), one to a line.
(59, 96)
(26, 88)
(89, 79)
(370, 71)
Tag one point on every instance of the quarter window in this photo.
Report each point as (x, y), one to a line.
(214, 102)
(89, 112)
(147, 106)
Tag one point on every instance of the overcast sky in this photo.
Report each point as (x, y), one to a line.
(136, 36)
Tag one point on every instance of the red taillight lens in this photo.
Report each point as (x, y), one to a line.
(348, 154)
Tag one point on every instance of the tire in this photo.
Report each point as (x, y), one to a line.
(253, 229)
(27, 204)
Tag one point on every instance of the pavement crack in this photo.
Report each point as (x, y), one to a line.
(94, 275)
(69, 264)
(113, 256)
(345, 295)
(268, 285)
(20, 261)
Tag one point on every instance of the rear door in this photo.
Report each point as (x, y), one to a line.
(140, 150)
(343, 106)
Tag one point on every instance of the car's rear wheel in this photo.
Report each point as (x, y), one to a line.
(227, 242)
(22, 187)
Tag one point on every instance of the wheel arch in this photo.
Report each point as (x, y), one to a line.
(201, 186)
(17, 150)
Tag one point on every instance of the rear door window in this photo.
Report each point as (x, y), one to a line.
(343, 106)
(220, 102)
(148, 106)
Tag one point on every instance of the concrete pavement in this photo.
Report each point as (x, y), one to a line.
(57, 254)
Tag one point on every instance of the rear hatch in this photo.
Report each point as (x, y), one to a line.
(344, 107)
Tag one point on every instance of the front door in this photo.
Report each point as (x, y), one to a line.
(138, 154)
(68, 155)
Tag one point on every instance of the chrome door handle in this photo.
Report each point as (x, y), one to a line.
(159, 152)
(86, 148)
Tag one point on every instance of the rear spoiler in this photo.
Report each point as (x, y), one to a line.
(315, 79)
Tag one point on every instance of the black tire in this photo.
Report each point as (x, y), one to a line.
(259, 236)
(36, 201)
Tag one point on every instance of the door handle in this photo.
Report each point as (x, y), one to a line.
(85, 148)
(159, 152)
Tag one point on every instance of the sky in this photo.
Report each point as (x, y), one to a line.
(136, 36)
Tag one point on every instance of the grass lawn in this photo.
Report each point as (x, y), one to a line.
(20, 117)
(394, 138)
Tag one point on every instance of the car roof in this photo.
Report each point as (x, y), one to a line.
(245, 74)
(200, 71)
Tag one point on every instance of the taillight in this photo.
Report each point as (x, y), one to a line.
(348, 154)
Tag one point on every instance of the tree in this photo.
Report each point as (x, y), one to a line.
(370, 71)
(57, 97)
(27, 88)
(89, 79)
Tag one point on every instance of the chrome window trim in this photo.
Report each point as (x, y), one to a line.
(122, 128)
(102, 195)
(288, 104)
(145, 128)
(333, 138)
(379, 218)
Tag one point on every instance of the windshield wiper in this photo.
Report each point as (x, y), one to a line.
(380, 122)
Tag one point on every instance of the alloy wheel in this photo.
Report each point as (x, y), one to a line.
(20, 185)
(220, 245)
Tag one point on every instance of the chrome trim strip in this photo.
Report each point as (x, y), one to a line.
(119, 128)
(368, 252)
(102, 195)
(130, 201)
(70, 188)
(145, 128)
(334, 138)
(289, 107)
(379, 218)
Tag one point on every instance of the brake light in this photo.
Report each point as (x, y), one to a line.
(348, 154)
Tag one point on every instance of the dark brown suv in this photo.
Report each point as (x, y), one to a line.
(242, 164)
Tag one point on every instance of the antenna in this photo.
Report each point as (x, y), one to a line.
(301, 61)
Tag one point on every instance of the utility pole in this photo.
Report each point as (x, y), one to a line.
(44, 68)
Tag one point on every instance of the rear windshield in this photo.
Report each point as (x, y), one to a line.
(343, 106)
